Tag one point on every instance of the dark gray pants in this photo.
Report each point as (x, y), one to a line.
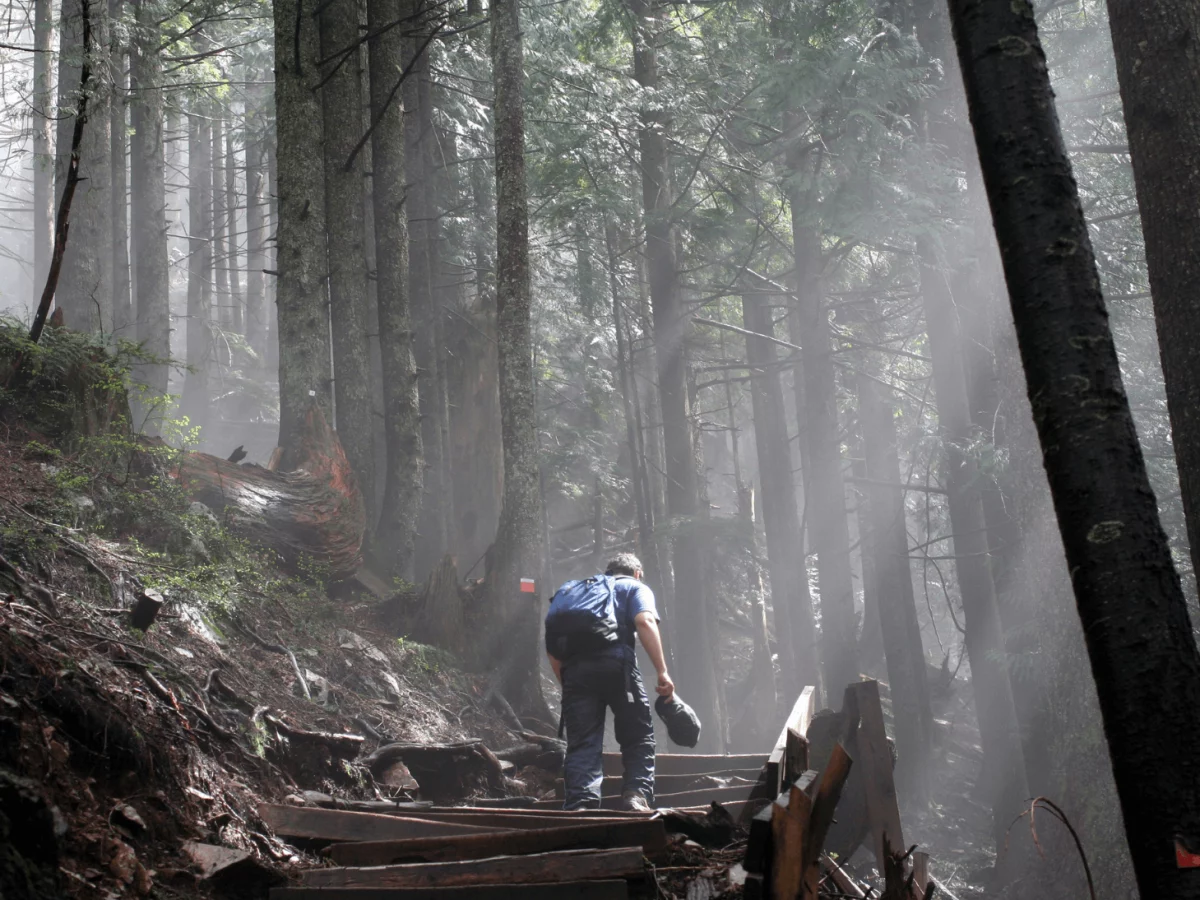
(592, 684)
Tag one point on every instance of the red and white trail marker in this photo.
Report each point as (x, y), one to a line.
(528, 586)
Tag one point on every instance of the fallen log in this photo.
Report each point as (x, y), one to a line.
(340, 825)
(540, 868)
(572, 890)
(649, 834)
(691, 763)
(310, 509)
(444, 771)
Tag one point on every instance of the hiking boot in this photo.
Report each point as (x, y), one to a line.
(633, 801)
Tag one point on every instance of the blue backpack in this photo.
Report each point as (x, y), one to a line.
(583, 617)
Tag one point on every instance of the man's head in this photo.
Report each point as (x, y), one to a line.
(625, 564)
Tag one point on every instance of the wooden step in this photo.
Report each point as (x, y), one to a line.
(682, 799)
(670, 784)
(571, 890)
(539, 868)
(649, 834)
(691, 763)
(313, 823)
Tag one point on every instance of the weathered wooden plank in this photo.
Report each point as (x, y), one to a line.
(825, 801)
(531, 818)
(758, 844)
(754, 888)
(921, 879)
(797, 720)
(844, 882)
(702, 797)
(795, 755)
(571, 890)
(540, 868)
(649, 834)
(671, 784)
(691, 763)
(790, 820)
(342, 825)
(460, 813)
(875, 759)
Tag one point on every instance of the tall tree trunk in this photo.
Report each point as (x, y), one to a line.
(220, 220)
(254, 136)
(518, 550)
(901, 632)
(340, 105)
(825, 494)
(232, 257)
(43, 144)
(696, 677)
(1135, 619)
(647, 544)
(1000, 736)
(118, 146)
(403, 474)
(85, 286)
(433, 528)
(197, 398)
(1155, 42)
(152, 309)
(302, 257)
(795, 629)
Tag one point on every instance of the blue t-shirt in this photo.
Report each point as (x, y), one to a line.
(632, 598)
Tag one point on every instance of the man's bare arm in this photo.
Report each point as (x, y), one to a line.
(647, 629)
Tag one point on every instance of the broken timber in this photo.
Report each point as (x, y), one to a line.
(691, 763)
(572, 890)
(342, 825)
(649, 834)
(540, 868)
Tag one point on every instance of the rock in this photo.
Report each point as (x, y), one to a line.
(348, 640)
(127, 816)
(122, 860)
(212, 860)
(196, 508)
(30, 829)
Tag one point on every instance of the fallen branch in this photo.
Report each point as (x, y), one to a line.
(343, 746)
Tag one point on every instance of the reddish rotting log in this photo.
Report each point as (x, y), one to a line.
(310, 509)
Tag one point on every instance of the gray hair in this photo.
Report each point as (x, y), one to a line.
(624, 564)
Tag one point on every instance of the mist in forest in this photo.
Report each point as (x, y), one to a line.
(726, 294)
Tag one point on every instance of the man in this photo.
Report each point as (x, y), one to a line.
(609, 678)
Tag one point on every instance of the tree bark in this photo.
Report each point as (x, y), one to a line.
(1140, 642)
(696, 677)
(795, 628)
(901, 632)
(43, 144)
(220, 218)
(825, 495)
(149, 202)
(196, 400)
(999, 734)
(85, 287)
(433, 530)
(302, 257)
(340, 105)
(232, 257)
(118, 147)
(254, 137)
(1156, 49)
(404, 470)
(518, 550)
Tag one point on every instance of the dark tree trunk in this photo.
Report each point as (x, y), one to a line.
(517, 552)
(795, 629)
(825, 495)
(697, 676)
(200, 345)
(220, 220)
(1007, 787)
(149, 201)
(255, 138)
(1156, 48)
(900, 629)
(1139, 638)
(404, 468)
(302, 257)
(43, 144)
(340, 105)
(433, 530)
(118, 155)
(85, 286)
